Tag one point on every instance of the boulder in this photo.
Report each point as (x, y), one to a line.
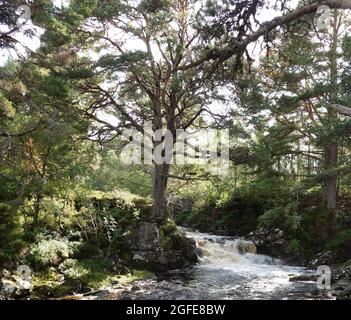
(188, 250)
(15, 288)
(271, 242)
(342, 271)
(147, 235)
(7, 289)
(304, 277)
(246, 247)
(345, 294)
(322, 258)
(149, 251)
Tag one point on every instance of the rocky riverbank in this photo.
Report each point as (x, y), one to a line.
(272, 242)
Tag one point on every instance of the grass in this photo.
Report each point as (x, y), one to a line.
(94, 273)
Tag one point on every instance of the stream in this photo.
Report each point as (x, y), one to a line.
(223, 273)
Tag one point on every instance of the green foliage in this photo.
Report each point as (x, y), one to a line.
(294, 246)
(272, 217)
(341, 242)
(59, 168)
(47, 252)
(284, 217)
(11, 233)
(106, 219)
(171, 236)
(109, 172)
(94, 273)
(56, 87)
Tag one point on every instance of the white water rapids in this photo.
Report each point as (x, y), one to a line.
(225, 271)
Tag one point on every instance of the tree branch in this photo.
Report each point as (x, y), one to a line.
(341, 109)
(234, 46)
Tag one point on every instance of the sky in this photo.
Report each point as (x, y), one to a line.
(34, 43)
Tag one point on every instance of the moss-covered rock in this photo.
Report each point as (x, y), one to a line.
(162, 249)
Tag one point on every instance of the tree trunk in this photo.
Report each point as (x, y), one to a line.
(331, 184)
(38, 198)
(331, 150)
(160, 177)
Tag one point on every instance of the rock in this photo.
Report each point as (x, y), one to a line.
(305, 277)
(342, 271)
(323, 258)
(172, 251)
(200, 243)
(138, 256)
(280, 234)
(246, 247)
(145, 236)
(189, 250)
(341, 284)
(15, 288)
(271, 242)
(345, 294)
(7, 288)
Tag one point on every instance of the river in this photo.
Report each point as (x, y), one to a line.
(224, 272)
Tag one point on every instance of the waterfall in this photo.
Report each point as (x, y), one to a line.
(225, 251)
(228, 268)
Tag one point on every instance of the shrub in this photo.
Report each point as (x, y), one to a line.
(341, 242)
(57, 214)
(272, 217)
(51, 252)
(282, 217)
(294, 246)
(106, 218)
(11, 233)
(171, 236)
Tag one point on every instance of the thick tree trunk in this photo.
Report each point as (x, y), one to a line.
(331, 150)
(160, 178)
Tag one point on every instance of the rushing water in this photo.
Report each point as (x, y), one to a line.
(225, 272)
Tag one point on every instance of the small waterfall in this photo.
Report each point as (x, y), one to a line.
(229, 268)
(226, 251)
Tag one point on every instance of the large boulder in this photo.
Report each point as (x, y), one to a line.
(271, 242)
(322, 258)
(7, 288)
(159, 252)
(342, 271)
(15, 288)
(246, 247)
(146, 236)
(345, 294)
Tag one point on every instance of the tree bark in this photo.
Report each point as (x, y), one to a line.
(38, 198)
(341, 109)
(331, 158)
(331, 150)
(160, 178)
